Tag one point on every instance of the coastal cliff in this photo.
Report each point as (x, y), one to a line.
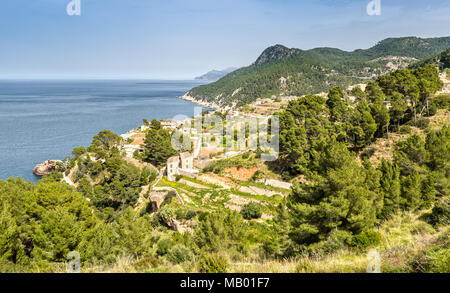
(47, 167)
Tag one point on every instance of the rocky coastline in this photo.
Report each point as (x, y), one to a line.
(47, 167)
(205, 104)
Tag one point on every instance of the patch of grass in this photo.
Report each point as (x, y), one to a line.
(272, 200)
(194, 180)
(247, 160)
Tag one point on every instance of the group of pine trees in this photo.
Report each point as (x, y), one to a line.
(341, 193)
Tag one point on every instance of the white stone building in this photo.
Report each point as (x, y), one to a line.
(183, 164)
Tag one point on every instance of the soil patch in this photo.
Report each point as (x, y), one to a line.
(242, 174)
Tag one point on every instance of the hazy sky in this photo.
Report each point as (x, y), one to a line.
(178, 39)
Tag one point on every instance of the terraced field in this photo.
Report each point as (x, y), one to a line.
(201, 195)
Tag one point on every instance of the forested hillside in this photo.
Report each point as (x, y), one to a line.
(343, 203)
(441, 60)
(283, 71)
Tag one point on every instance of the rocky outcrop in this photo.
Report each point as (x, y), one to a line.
(47, 167)
(157, 198)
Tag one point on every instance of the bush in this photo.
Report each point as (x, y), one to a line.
(441, 212)
(304, 266)
(366, 239)
(251, 211)
(78, 175)
(223, 230)
(336, 240)
(433, 260)
(146, 263)
(367, 154)
(179, 254)
(213, 264)
(442, 101)
(180, 214)
(190, 214)
(405, 129)
(423, 123)
(185, 214)
(257, 176)
(164, 245)
(432, 110)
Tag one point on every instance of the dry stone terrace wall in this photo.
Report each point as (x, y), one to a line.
(259, 191)
(277, 183)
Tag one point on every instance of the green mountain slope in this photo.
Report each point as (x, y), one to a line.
(283, 71)
(442, 60)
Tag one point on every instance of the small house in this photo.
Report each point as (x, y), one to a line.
(183, 164)
(187, 161)
(172, 167)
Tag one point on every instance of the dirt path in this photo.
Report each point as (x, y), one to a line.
(68, 181)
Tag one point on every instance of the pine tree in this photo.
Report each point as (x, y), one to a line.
(390, 186)
(158, 147)
(279, 244)
(338, 197)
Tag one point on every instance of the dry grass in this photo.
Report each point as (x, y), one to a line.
(441, 118)
(138, 139)
(268, 266)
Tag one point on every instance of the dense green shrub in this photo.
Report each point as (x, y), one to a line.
(164, 245)
(146, 263)
(432, 110)
(435, 259)
(251, 211)
(224, 230)
(442, 101)
(440, 213)
(179, 253)
(405, 129)
(335, 241)
(190, 214)
(423, 123)
(367, 154)
(213, 264)
(183, 214)
(366, 239)
(304, 266)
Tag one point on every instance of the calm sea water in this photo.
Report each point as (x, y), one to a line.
(42, 120)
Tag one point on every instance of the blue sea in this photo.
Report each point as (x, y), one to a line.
(42, 120)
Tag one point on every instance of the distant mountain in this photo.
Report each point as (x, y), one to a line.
(283, 71)
(215, 74)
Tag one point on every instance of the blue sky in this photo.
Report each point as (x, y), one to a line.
(180, 39)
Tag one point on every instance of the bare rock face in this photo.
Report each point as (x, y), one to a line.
(47, 167)
(175, 225)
